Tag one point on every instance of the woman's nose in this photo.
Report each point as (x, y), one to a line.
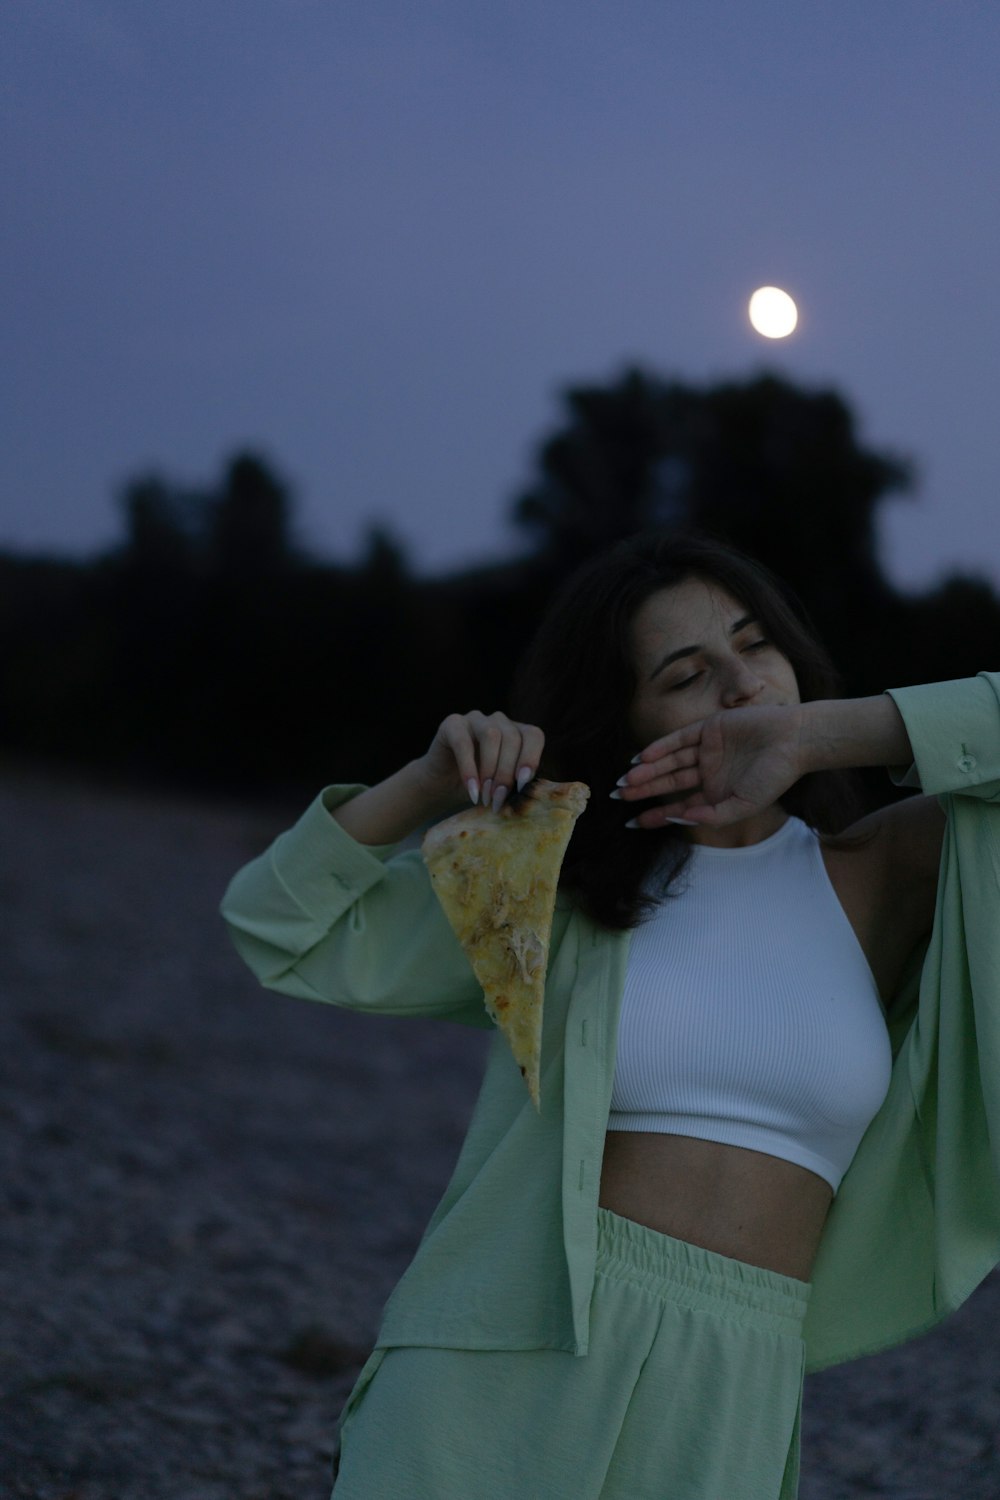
(742, 684)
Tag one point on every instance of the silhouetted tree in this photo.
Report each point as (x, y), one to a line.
(952, 631)
(249, 532)
(599, 473)
(774, 469)
(165, 528)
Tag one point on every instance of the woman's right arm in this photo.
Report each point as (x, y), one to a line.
(326, 913)
(473, 757)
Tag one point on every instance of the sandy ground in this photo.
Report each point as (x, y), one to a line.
(210, 1191)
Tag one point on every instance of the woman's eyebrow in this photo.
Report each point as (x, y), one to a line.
(734, 629)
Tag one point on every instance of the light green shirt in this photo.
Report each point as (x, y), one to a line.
(507, 1260)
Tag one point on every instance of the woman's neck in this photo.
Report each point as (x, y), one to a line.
(753, 830)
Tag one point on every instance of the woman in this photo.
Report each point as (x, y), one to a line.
(617, 1297)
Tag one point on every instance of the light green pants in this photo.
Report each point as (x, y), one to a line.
(691, 1391)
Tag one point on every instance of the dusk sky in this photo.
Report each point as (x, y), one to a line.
(374, 241)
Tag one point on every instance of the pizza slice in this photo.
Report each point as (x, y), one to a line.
(495, 875)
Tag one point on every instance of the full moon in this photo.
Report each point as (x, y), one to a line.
(772, 312)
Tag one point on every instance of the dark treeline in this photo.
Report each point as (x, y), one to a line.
(208, 651)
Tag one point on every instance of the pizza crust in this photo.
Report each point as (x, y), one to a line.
(496, 876)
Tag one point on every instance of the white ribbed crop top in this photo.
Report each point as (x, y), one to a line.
(749, 1014)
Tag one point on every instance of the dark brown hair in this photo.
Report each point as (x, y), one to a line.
(577, 682)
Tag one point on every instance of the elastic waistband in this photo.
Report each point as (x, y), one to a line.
(686, 1275)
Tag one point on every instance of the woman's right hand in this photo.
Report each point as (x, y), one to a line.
(476, 756)
(481, 756)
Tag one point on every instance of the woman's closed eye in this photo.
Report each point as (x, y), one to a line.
(685, 682)
(763, 644)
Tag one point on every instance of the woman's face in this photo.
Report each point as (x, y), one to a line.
(697, 650)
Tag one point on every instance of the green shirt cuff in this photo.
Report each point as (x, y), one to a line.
(319, 862)
(954, 730)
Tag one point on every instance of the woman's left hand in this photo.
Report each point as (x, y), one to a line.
(719, 770)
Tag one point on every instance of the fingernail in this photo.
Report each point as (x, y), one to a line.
(499, 798)
(524, 775)
(637, 758)
(615, 795)
(622, 780)
(487, 790)
(633, 823)
(686, 822)
(472, 787)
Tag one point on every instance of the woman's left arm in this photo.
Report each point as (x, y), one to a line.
(742, 760)
(942, 738)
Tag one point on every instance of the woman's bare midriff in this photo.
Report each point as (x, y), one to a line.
(744, 1204)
